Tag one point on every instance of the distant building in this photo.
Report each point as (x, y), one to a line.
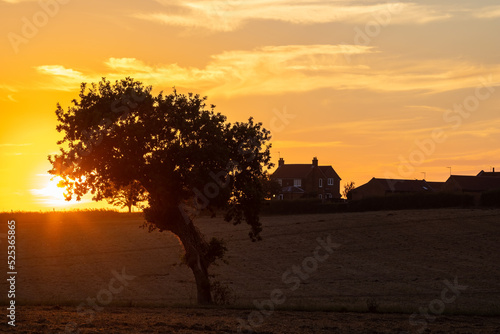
(436, 186)
(383, 187)
(471, 184)
(492, 173)
(307, 180)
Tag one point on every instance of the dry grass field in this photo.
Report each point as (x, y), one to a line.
(386, 272)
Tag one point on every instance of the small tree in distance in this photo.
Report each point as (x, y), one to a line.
(348, 187)
(186, 157)
(127, 196)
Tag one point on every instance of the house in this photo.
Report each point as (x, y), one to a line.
(471, 184)
(383, 187)
(307, 180)
(436, 186)
(492, 173)
(474, 185)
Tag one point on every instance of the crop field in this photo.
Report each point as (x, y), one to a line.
(388, 271)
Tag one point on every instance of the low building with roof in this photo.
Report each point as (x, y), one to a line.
(492, 173)
(471, 184)
(474, 185)
(436, 186)
(383, 187)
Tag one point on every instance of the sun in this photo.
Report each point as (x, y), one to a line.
(54, 188)
(52, 194)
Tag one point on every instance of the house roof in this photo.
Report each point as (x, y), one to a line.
(475, 183)
(483, 173)
(400, 185)
(290, 171)
(329, 172)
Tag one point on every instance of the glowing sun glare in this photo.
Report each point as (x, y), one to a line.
(52, 194)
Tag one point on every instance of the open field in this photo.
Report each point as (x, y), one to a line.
(195, 320)
(390, 262)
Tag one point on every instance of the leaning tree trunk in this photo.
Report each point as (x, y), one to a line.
(195, 257)
(169, 217)
(195, 262)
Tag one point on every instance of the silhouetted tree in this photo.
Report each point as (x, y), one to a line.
(348, 187)
(127, 196)
(186, 157)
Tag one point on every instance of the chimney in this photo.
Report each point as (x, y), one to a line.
(493, 169)
(315, 162)
(281, 162)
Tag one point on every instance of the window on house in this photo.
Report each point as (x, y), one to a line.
(330, 181)
(297, 183)
(280, 181)
(320, 196)
(320, 183)
(281, 197)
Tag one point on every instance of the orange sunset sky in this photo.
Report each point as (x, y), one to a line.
(374, 88)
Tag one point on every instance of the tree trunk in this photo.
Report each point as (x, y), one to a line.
(129, 208)
(200, 272)
(196, 247)
(197, 251)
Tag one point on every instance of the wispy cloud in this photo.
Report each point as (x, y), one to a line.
(8, 88)
(231, 69)
(64, 78)
(427, 108)
(304, 144)
(367, 126)
(292, 68)
(14, 145)
(14, 150)
(127, 65)
(229, 15)
(17, 1)
(466, 160)
(6, 93)
(480, 129)
(488, 12)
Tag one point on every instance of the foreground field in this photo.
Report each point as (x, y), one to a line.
(434, 263)
(187, 321)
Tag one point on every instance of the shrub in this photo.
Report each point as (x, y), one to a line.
(491, 198)
(222, 294)
(391, 202)
(413, 201)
